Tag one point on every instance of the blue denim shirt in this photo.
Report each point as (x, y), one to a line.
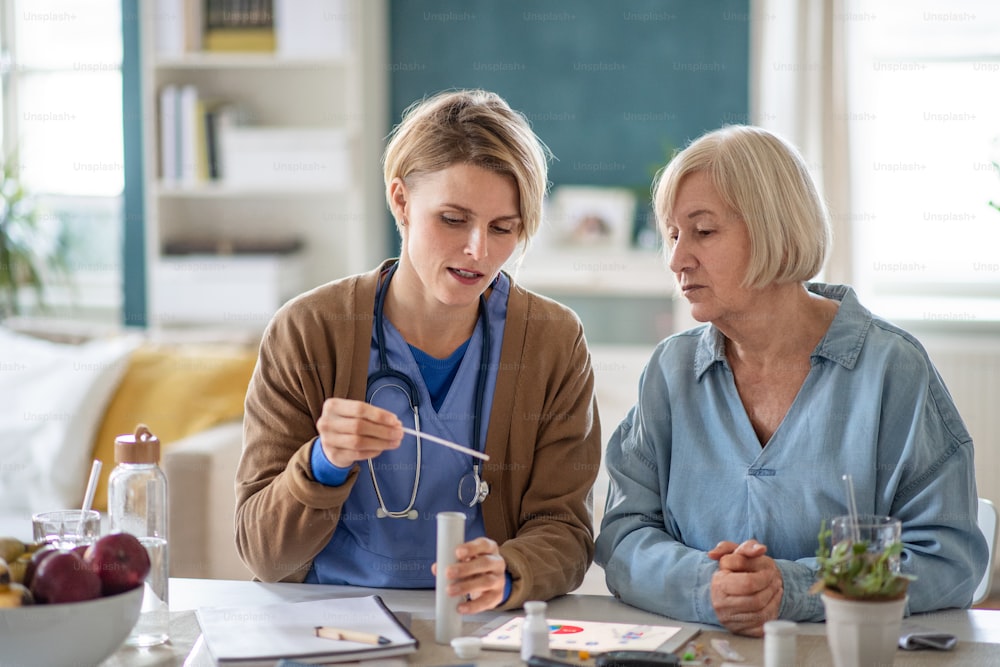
(688, 471)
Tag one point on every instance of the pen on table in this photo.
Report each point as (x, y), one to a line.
(351, 635)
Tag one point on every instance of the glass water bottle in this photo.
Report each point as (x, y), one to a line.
(137, 504)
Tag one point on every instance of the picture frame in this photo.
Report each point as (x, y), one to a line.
(591, 217)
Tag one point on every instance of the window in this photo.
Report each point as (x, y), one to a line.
(62, 111)
(924, 91)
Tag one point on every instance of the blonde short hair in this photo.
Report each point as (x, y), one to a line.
(474, 127)
(766, 181)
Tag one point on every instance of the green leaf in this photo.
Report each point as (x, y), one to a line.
(25, 250)
(855, 572)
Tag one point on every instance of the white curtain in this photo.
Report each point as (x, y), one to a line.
(798, 89)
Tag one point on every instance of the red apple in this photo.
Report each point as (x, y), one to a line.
(120, 560)
(36, 558)
(64, 577)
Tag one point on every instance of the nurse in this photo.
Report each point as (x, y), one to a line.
(330, 489)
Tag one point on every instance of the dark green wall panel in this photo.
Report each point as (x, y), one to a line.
(610, 86)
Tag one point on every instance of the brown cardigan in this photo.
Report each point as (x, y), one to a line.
(543, 438)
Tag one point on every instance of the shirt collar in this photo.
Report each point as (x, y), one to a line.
(841, 344)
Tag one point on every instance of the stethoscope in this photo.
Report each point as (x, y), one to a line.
(472, 489)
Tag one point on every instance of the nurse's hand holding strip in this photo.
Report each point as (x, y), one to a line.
(354, 431)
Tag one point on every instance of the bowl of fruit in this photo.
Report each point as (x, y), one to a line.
(69, 606)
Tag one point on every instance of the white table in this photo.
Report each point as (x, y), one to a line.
(978, 630)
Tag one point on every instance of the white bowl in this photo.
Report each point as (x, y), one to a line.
(68, 634)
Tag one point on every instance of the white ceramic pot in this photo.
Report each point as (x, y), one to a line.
(862, 633)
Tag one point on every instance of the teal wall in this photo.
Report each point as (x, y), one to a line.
(610, 85)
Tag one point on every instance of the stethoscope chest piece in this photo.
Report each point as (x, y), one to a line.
(383, 513)
(472, 489)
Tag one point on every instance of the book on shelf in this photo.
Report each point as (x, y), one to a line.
(169, 170)
(216, 116)
(240, 39)
(177, 26)
(238, 25)
(178, 106)
(211, 139)
(291, 28)
(190, 134)
(358, 628)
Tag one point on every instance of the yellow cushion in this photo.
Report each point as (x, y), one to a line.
(176, 391)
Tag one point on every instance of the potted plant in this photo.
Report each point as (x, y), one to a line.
(27, 248)
(864, 596)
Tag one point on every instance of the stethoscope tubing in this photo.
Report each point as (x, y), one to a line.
(409, 388)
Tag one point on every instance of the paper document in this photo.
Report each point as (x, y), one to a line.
(590, 636)
(266, 633)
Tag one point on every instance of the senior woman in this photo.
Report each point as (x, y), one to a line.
(735, 452)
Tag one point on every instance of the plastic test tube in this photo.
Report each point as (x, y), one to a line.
(450, 534)
(779, 644)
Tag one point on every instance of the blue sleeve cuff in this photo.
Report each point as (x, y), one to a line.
(507, 583)
(325, 472)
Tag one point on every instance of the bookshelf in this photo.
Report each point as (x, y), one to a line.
(298, 120)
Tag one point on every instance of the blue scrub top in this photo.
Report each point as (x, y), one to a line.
(398, 553)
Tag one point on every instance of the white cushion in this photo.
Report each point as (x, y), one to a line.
(53, 397)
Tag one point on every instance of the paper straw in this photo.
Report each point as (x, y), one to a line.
(447, 443)
(852, 508)
(88, 497)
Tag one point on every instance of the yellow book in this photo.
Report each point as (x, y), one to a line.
(201, 141)
(239, 39)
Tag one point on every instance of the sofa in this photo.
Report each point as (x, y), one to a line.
(73, 392)
(68, 392)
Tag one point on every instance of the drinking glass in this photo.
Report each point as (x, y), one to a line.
(66, 528)
(879, 532)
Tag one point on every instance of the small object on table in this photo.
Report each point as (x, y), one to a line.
(351, 636)
(535, 631)
(467, 647)
(693, 654)
(637, 659)
(914, 636)
(779, 643)
(723, 648)
(541, 661)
